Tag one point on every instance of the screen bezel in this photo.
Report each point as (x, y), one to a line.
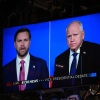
(53, 27)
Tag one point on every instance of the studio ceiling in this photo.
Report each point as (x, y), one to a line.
(30, 11)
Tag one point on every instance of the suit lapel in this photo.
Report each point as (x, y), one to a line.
(14, 73)
(82, 60)
(66, 61)
(32, 69)
(80, 64)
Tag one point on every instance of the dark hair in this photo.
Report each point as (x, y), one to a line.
(22, 30)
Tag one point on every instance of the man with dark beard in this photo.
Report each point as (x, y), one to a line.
(34, 68)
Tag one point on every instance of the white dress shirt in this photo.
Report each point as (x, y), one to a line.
(26, 66)
(71, 58)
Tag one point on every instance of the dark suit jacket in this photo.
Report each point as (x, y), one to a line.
(89, 62)
(40, 71)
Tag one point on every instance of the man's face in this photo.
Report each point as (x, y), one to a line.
(22, 44)
(75, 36)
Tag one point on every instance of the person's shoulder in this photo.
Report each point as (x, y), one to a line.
(35, 58)
(9, 64)
(91, 44)
(63, 54)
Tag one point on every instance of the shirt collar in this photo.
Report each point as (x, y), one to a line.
(25, 59)
(78, 51)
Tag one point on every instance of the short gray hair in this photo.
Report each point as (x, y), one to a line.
(76, 21)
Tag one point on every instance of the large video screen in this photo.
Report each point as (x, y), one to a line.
(48, 40)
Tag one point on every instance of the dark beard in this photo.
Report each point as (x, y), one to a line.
(23, 54)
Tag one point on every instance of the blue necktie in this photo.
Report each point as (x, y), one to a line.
(73, 65)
